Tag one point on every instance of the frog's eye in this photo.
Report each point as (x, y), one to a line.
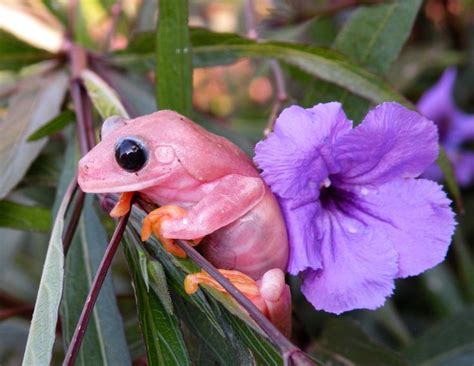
(131, 154)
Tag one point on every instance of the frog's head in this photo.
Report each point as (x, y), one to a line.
(131, 156)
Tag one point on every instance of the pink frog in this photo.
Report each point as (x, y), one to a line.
(210, 193)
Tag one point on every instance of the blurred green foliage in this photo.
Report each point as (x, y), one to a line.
(357, 52)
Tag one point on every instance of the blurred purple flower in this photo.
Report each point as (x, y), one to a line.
(356, 216)
(455, 128)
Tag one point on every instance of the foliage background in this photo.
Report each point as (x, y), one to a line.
(385, 50)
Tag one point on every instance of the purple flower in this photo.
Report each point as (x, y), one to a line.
(454, 126)
(357, 218)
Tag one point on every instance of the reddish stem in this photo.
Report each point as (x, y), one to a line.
(86, 313)
(280, 85)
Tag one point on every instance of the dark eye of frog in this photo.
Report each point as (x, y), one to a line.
(131, 154)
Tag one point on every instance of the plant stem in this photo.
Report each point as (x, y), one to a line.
(465, 263)
(99, 278)
(74, 220)
(280, 85)
(116, 10)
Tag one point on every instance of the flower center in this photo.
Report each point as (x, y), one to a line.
(333, 197)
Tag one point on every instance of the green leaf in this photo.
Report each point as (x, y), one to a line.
(159, 285)
(173, 57)
(15, 54)
(35, 103)
(264, 352)
(373, 36)
(53, 126)
(42, 332)
(104, 98)
(223, 349)
(217, 48)
(22, 217)
(161, 333)
(137, 93)
(343, 342)
(229, 314)
(442, 291)
(448, 172)
(380, 32)
(448, 343)
(104, 342)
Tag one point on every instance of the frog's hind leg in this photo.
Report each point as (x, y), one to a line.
(270, 294)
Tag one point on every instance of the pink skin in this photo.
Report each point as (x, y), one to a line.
(228, 203)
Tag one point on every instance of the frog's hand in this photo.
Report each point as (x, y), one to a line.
(230, 199)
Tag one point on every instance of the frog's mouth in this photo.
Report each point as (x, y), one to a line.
(101, 181)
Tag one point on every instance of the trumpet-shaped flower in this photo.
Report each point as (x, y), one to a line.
(357, 218)
(455, 128)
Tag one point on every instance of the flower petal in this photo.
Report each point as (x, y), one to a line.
(359, 267)
(303, 237)
(437, 103)
(296, 157)
(419, 222)
(391, 142)
(464, 167)
(461, 131)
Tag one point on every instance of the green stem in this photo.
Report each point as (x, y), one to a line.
(389, 317)
(466, 264)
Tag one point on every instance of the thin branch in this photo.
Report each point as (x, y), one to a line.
(86, 313)
(281, 94)
(74, 220)
(24, 311)
(116, 10)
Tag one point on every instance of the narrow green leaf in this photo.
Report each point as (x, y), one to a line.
(448, 343)
(104, 342)
(264, 352)
(22, 217)
(15, 54)
(136, 91)
(159, 285)
(173, 57)
(229, 314)
(35, 103)
(448, 172)
(342, 339)
(380, 31)
(216, 48)
(104, 98)
(53, 126)
(223, 349)
(42, 332)
(161, 333)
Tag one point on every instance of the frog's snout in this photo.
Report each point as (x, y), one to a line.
(88, 174)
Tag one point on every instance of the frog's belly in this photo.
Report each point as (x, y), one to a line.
(252, 244)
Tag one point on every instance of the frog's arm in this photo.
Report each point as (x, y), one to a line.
(231, 198)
